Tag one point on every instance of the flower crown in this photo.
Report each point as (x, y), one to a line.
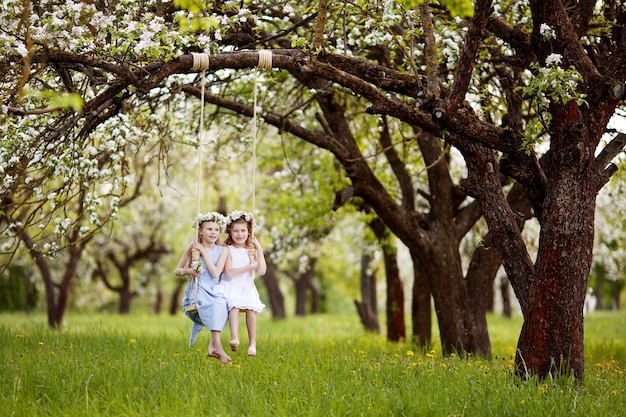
(211, 216)
(238, 214)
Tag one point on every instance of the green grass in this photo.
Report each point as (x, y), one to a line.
(102, 365)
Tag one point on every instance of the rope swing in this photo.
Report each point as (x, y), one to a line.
(200, 62)
(265, 62)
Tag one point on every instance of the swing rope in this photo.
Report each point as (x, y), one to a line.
(265, 62)
(200, 62)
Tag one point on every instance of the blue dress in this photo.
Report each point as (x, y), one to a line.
(209, 299)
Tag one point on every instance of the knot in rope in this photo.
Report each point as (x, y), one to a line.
(265, 59)
(200, 62)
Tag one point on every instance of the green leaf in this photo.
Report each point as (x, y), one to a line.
(68, 101)
(461, 8)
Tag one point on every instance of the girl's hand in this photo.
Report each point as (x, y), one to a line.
(255, 242)
(254, 264)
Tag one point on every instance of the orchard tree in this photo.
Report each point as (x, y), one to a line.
(504, 83)
(126, 259)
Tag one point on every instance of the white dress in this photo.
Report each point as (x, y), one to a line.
(240, 290)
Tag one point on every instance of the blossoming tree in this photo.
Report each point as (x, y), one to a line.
(524, 90)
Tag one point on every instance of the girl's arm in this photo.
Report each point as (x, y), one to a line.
(221, 262)
(231, 272)
(211, 267)
(183, 267)
(260, 256)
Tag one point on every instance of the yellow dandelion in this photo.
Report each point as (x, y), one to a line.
(40, 343)
(410, 353)
(453, 355)
(133, 341)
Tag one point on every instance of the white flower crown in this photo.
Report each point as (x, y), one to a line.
(211, 216)
(238, 214)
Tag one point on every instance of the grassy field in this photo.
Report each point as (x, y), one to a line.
(102, 365)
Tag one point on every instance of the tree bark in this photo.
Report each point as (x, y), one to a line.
(551, 341)
(158, 302)
(303, 283)
(506, 297)
(366, 308)
(175, 304)
(421, 306)
(276, 297)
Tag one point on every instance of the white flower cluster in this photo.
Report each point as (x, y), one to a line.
(553, 60)
(197, 266)
(211, 216)
(547, 32)
(238, 214)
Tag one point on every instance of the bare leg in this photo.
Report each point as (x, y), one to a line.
(251, 325)
(215, 347)
(233, 322)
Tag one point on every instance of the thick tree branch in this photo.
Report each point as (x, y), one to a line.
(602, 165)
(463, 73)
(430, 53)
(398, 167)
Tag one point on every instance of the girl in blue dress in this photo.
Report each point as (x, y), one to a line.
(204, 301)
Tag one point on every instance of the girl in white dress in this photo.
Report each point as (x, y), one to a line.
(245, 259)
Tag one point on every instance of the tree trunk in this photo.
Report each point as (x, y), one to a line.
(480, 276)
(506, 297)
(396, 327)
(276, 297)
(158, 302)
(451, 298)
(366, 308)
(394, 308)
(301, 296)
(551, 341)
(303, 283)
(175, 303)
(126, 298)
(314, 299)
(421, 308)
(56, 307)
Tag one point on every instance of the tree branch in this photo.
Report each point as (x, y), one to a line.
(467, 57)
(602, 165)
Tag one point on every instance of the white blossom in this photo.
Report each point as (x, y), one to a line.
(21, 49)
(547, 32)
(553, 60)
